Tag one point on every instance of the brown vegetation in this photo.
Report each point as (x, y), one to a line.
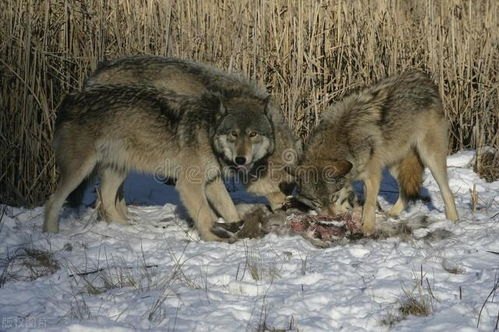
(308, 53)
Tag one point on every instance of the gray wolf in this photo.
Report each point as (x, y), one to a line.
(267, 176)
(112, 129)
(396, 123)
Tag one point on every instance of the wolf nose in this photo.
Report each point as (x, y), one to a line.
(240, 160)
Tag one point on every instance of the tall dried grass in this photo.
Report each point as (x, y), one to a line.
(308, 53)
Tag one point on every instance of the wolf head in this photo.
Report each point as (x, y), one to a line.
(244, 132)
(324, 186)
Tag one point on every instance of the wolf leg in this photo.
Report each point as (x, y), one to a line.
(433, 153)
(372, 182)
(120, 201)
(110, 209)
(276, 200)
(193, 196)
(220, 199)
(73, 172)
(401, 203)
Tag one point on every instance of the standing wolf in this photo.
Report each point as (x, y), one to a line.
(398, 123)
(266, 176)
(114, 129)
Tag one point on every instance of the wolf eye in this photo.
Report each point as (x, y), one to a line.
(233, 133)
(253, 134)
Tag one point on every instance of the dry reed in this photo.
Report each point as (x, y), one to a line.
(307, 53)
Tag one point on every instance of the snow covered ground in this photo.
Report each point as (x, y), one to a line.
(157, 275)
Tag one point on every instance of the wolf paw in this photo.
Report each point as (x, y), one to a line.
(368, 229)
(227, 231)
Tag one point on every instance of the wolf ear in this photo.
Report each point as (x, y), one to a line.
(214, 102)
(341, 167)
(332, 169)
(221, 112)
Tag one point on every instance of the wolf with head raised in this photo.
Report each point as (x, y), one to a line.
(112, 129)
(262, 170)
(397, 123)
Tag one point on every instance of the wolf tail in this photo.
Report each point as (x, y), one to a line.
(410, 175)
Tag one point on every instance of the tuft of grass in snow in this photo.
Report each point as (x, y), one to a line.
(114, 275)
(27, 264)
(258, 268)
(105, 279)
(416, 304)
(416, 301)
